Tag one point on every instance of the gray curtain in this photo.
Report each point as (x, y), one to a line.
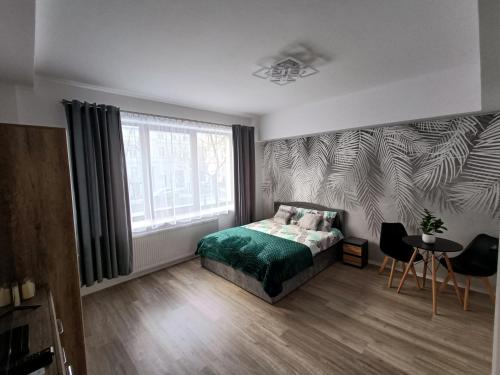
(100, 191)
(244, 174)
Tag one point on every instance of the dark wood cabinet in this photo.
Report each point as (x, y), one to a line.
(37, 233)
(355, 252)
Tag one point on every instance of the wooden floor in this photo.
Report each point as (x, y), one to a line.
(186, 320)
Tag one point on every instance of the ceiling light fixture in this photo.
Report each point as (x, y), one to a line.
(285, 71)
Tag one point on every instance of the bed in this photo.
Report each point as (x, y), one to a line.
(236, 254)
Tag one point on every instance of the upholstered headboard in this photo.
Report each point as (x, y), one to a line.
(339, 219)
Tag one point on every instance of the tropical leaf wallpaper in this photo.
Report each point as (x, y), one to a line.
(455, 164)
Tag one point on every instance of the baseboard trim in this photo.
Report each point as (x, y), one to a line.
(84, 291)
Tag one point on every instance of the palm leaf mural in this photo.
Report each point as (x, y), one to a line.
(483, 199)
(408, 139)
(477, 188)
(446, 157)
(367, 178)
(339, 186)
(298, 155)
(439, 197)
(278, 180)
(320, 148)
(320, 156)
(309, 158)
(324, 195)
(395, 154)
(454, 164)
(432, 131)
(355, 179)
(332, 141)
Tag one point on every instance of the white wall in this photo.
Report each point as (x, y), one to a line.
(450, 91)
(489, 36)
(41, 104)
(8, 110)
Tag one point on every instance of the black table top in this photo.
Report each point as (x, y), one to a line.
(442, 245)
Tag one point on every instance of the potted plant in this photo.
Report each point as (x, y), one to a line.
(431, 225)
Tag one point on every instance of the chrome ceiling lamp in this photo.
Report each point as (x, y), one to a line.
(285, 71)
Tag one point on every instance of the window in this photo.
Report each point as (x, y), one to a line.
(178, 170)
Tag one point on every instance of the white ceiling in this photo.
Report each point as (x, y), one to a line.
(17, 40)
(202, 53)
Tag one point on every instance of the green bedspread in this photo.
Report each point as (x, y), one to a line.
(269, 259)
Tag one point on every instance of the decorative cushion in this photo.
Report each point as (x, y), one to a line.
(283, 214)
(326, 224)
(310, 221)
(299, 212)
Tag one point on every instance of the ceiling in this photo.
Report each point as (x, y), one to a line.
(17, 41)
(202, 53)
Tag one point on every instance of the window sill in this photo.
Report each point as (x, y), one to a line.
(166, 228)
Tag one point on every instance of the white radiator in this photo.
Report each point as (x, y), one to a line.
(166, 246)
(150, 250)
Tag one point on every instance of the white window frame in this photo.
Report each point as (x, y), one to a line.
(192, 128)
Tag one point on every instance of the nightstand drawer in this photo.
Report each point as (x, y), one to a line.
(354, 250)
(353, 260)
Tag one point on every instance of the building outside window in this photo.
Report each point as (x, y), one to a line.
(178, 170)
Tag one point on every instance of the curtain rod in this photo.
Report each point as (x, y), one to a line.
(178, 118)
(64, 101)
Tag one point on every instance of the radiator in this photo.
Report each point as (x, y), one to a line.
(166, 246)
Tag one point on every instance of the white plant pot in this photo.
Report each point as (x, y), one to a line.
(428, 238)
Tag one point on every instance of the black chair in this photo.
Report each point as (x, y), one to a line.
(392, 245)
(479, 259)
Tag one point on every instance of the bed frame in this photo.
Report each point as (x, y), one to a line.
(321, 261)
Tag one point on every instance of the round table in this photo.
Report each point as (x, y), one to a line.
(442, 246)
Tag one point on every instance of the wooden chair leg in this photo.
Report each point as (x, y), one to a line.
(452, 277)
(444, 284)
(393, 268)
(405, 274)
(434, 291)
(424, 275)
(467, 291)
(489, 287)
(416, 277)
(383, 265)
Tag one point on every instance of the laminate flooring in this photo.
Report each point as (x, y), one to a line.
(187, 320)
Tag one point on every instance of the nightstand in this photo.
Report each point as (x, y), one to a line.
(355, 252)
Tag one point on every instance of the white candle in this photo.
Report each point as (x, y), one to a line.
(5, 296)
(28, 289)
